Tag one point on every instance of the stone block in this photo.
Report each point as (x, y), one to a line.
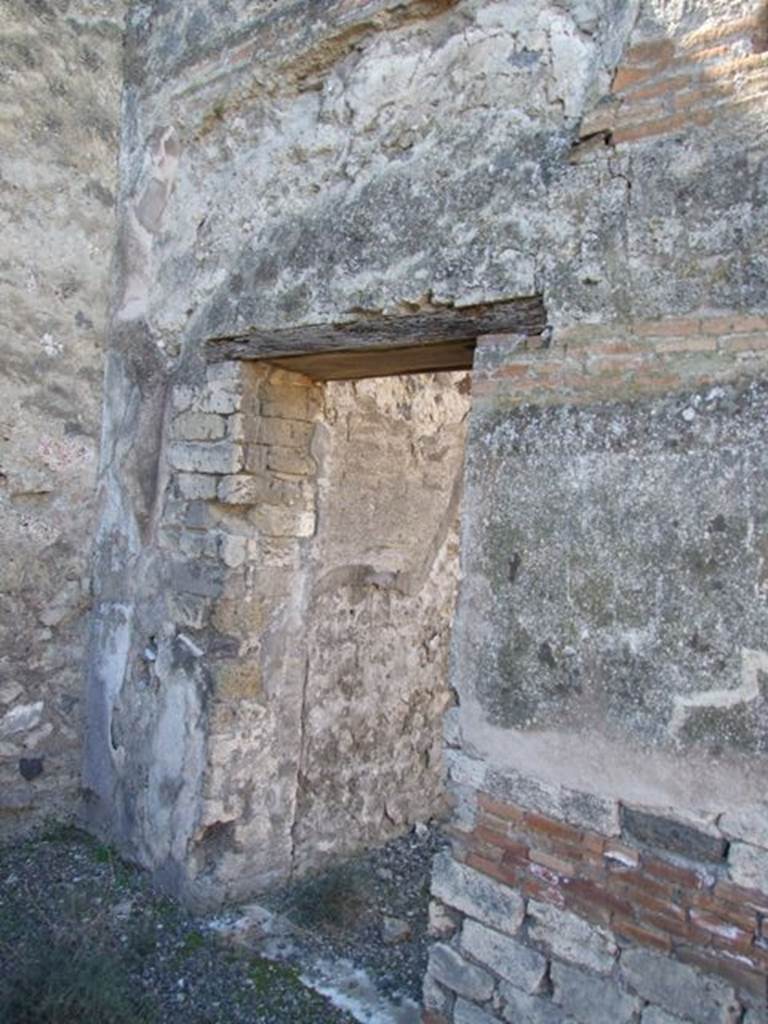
(520, 1008)
(233, 550)
(200, 578)
(676, 987)
(239, 489)
(442, 921)
(750, 824)
(591, 999)
(655, 1015)
(517, 963)
(450, 968)
(570, 805)
(290, 461)
(570, 937)
(206, 457)
(668, 834)
(283, 522)
(468, 1013)
(199, 426)
(194, 486)
(189, 610)
(287, 402)
(285, 433)
(748, 866)
(436, 998)
(476, 895)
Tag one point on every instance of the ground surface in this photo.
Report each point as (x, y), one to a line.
(83, 937)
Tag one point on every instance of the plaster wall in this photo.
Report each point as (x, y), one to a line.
(60, 78)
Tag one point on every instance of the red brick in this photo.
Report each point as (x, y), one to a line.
(739, 973)
(637, 883)
(662, 126)
(550, 827)
(502, 873)
(500, 810)
(744, 917)
(720, 932)
(620, 857)
(657, 51)
(676, 927)
(510, 847)
(645, 936)
(540, 889)
(557, 864)
(591, 892)
(662, 870)
(737, 894)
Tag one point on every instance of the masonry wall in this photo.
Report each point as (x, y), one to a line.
(385, 159)
(60, 80)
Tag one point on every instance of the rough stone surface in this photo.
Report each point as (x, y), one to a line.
(676, 987)
(571, 937)
(748, 866)
(450, 968)
(476, 895)
(592, 999)
(59, 92)
(468, 1013)
(517, 963)
(518, 1007)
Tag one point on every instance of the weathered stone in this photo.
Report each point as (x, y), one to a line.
(476, 894)
(240, 489)
(655, 1015)
(435, 997)
(668, 834)
(556, 801)
(285, 433)
(199, 426)
(283, 522)
(749, 824)
(196, 486)
(676, 987)
(517, 963)
(215, 457)
(290, 461)
(443, 922)
(520, 1008)
(571, 937)
(450, 968)
(592, 999)
(748, 866)
(468, 1013)
(21, 718)
(394, 930)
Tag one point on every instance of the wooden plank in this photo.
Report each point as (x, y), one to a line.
(381, 362)
(377, 332)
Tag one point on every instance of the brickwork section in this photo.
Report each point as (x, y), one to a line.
(667, 86)
(596, 362)
(645, 925)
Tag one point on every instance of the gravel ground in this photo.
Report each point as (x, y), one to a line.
(84, 939)
(347, 912)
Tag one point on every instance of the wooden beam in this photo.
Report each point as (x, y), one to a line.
(438, 357)
(449, 333)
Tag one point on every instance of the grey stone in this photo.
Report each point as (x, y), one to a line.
(198, 578)
(510, 959)
(476, 895)
(590, 998)
(557, 801)
(520, 1008)
(201, 457)
(196, 486)
(571, 937)
(239, 489)
(750, 824)
(676, 987)
(655, 1015)
(668, 834)
(394, 930)
(450, 968)
(199, 426)
(435, 997)
(748, 866)
(468, 1013)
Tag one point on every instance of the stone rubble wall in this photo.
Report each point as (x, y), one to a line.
(60, 80)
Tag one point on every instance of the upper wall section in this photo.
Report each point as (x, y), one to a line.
(299, 163)
(59, 97)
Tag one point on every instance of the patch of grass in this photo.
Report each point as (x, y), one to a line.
(333, 899)
(193, 941)
(66, 983)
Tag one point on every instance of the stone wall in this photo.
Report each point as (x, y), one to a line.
(60, 83)
(299, 167)
(384, 568)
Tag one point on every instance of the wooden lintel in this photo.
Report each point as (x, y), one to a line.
(428, 340)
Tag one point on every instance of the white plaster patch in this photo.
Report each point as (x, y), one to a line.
(21, 718)
(752, 664)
